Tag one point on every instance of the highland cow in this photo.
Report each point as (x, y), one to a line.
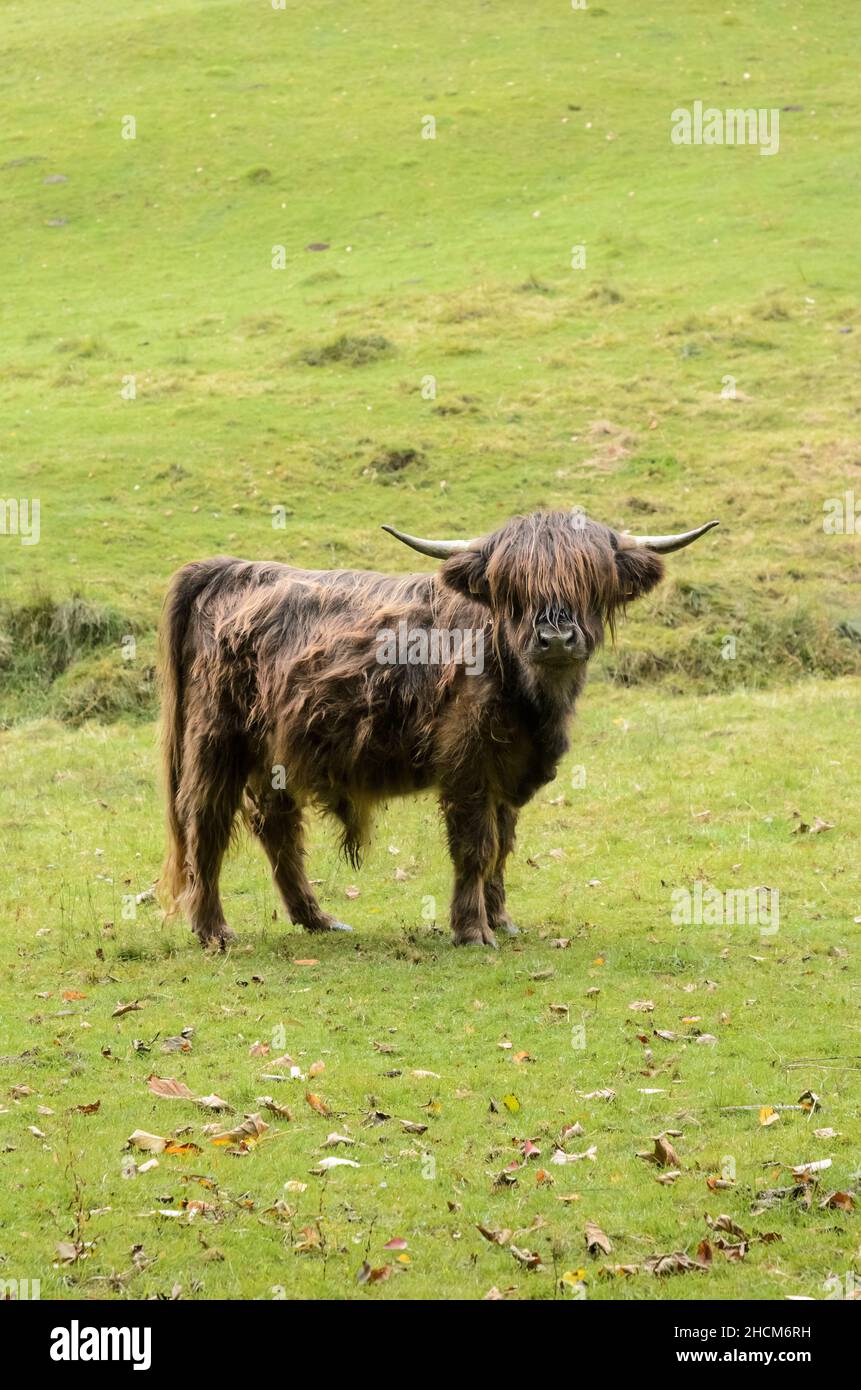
(282, 689)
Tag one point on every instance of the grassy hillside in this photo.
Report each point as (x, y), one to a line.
(447, 258)
(278, 301)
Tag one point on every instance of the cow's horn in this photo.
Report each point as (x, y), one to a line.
(664, 544)
(440, 550)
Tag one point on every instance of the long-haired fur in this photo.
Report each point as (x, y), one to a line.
(274, 697)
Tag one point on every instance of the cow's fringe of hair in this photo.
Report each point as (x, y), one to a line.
(534, 561)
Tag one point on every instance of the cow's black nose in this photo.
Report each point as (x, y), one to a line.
(561, 641)
(556, 641)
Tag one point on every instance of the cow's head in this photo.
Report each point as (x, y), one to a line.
(553, 581)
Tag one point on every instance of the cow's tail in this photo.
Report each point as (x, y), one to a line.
(184, 589)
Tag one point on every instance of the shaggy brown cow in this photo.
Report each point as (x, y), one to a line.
(284, 687)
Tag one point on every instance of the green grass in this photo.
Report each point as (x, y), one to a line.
(438, 365)
(81, 831)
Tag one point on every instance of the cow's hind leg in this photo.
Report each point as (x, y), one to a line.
(208, 798)
(473, 843)
(276, 820)
(494, 886)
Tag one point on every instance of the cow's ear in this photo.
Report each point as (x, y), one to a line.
(466, 572)
(639, 570)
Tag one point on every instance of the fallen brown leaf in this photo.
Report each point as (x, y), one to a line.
(150, 1143)
(411, 1127)
(212, 1102)
(676, 1263)
(596, 1239)
(316, 1103)
(247, 1133)
(367, 1275)
(168, 1088)
(530, 1259)
(275, 1107)
(664, 1155)
(843, 1201)
(498, 1237)
(726, 1224)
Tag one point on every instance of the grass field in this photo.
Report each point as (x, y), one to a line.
(275, 318)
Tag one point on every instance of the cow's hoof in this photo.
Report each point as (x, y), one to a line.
(507, 928)
(219, 939)
(335, 925)
(486, 939)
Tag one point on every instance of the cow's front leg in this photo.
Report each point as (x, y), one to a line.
(494, 888)
(472, 842)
